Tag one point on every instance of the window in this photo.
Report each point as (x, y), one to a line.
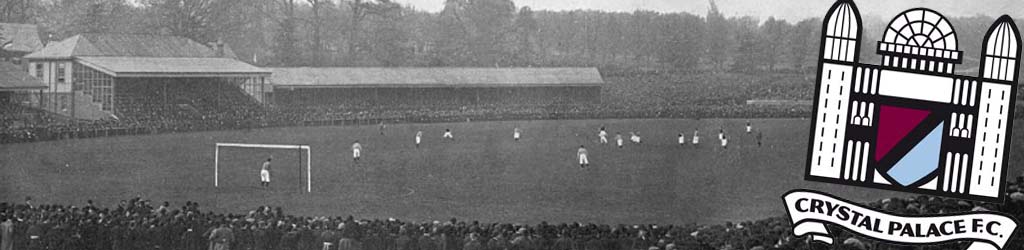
(60, 72)
(39, 71)
(64, 103)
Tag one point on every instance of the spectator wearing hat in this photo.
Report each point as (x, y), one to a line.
(261, 236)
(35, 235)
(6, 233)
(222, 237)
(521, 241)
(328, 238)
(404, 241)
(191, 239)
(289, 240)
(473, 242)
(500, 241)
(348, 240)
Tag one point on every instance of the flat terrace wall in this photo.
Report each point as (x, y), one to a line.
(398, 96)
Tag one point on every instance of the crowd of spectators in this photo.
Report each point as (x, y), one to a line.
(177, 106)
(147, 108)
(140, 224)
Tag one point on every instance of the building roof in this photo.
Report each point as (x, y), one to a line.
(434, 77)
(171, 66)
(13, 77)
(23, 37)
(125, 45)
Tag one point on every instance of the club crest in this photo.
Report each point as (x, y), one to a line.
(910, 123)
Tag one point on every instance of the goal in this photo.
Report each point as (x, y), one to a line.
(300, 150)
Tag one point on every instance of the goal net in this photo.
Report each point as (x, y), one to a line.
(238, 164)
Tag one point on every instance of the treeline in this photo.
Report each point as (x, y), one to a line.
(479, 33)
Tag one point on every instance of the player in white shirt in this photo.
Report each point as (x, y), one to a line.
(618, 139)
(725, 142)
(582, 155)
(696, 136)
(419, 138)
(515, 133)
(265, 174)
(748, 128)
(682, 140)
(603, 136)
(721, 134)
(634, 137)
(448, 134)
(356, 151)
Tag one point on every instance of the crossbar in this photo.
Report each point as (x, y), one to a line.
(253, 145)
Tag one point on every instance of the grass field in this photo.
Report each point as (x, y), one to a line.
(483, 175)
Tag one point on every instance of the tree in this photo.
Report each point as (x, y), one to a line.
(717, 38)
(316, 39)
(526, 32)
(644, 45)
(385, 37)
(611, 37)
(254, 39)
(201, 20)
(16, 11)
(804, 43)
(774, 34)
(94, 19)
(388, 41)
(680, 43)
(452, 38)
(284, 43)
(489, 23)
(749, 55)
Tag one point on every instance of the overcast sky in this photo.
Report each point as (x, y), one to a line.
(792, 10)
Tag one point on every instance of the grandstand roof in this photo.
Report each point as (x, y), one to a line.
(126, 45)
(13, 77)
(434, 77)
(23, 37)
(171, 66)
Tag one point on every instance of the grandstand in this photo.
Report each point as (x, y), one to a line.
(418, 87)
(144, 78)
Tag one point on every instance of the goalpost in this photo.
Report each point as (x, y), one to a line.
(216, 159)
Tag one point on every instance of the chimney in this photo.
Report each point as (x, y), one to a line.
(217, 47)
(220, 48)
(49, 38)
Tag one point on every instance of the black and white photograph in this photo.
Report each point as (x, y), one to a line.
(511, 124)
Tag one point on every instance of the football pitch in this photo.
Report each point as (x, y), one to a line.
(482, 175)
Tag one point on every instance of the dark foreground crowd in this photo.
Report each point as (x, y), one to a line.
(139, 224)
